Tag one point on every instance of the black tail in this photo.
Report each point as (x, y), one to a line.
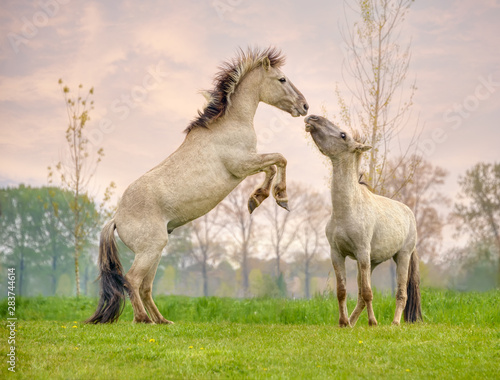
(113, 283)
(413, 310)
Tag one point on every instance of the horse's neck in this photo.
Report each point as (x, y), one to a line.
(244, 101)
(346, 192)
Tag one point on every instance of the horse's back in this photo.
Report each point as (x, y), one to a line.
(186, 185)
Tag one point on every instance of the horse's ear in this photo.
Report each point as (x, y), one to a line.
(362, 147)
(266, 63)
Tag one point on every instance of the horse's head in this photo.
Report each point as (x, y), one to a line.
(331, 140)
(277, 90)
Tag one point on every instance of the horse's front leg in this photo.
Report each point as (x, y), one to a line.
(263, 191)
(338, 262)
(256, 163)
(364, 267)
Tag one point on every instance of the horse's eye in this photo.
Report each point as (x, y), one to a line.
(342, 134)
(282, 80)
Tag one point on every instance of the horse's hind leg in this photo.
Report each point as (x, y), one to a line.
(402, 260)
(146, 292)
(147, 250)
(140, 268)
(263, 191)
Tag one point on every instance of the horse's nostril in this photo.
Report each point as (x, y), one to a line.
(306, 106)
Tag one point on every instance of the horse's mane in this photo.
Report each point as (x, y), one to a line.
(358, 137)
(227, 79)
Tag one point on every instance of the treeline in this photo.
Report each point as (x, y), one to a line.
(271, 253)
(36, 240)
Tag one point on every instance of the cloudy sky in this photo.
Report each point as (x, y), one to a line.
(175, 47)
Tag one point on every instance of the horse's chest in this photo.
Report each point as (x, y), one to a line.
(342, 240)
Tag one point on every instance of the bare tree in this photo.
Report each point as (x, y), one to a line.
(314, 212)
(76, 171)
(375, 72)
(241, 224)
(206, 246)
(477, 211)
(282, 231)
(422, 195)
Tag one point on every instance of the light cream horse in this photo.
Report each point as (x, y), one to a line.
(218, 153)
(366, 227)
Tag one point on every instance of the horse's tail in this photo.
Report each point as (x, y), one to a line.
(113, 283)
(413, 310)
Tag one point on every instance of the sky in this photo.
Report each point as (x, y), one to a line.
(147, 62)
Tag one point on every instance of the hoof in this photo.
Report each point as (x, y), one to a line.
(166, 322)
(344, 323)
(395, 323)
(145, 319)
(372, 323)
(283, 204)
(252, 204)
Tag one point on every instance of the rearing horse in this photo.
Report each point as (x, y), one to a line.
(219, 151)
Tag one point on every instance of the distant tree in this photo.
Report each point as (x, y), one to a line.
(168, 280)
(207, 247)
(22, 215)
(241, 225)
(76, 171)
(422, 194)
(314, 213)
(282, 230)
(225, 278)
(263, 285)
(31, 238)
(58, 241)
(477, 210)
(375, 71)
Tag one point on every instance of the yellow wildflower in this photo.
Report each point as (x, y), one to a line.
(152, 341)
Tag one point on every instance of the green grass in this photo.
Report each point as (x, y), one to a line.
(228, 338)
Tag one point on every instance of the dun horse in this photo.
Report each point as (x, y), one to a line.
(219, 152)
(366, 227)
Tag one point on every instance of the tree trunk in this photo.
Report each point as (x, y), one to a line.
(205, 277)
(21, 275)
(278, 266)
(307, 280)
(85, 280)
(244, 273)
(77, 269)
(54, 276)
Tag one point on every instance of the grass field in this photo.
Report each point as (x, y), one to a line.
(258, 338)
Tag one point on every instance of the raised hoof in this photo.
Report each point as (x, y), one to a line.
(252, 204)
(283, 204)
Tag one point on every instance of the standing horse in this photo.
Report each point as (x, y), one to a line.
(366, 227)
(219, 152)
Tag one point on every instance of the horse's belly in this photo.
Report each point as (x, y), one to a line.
(192, 205)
